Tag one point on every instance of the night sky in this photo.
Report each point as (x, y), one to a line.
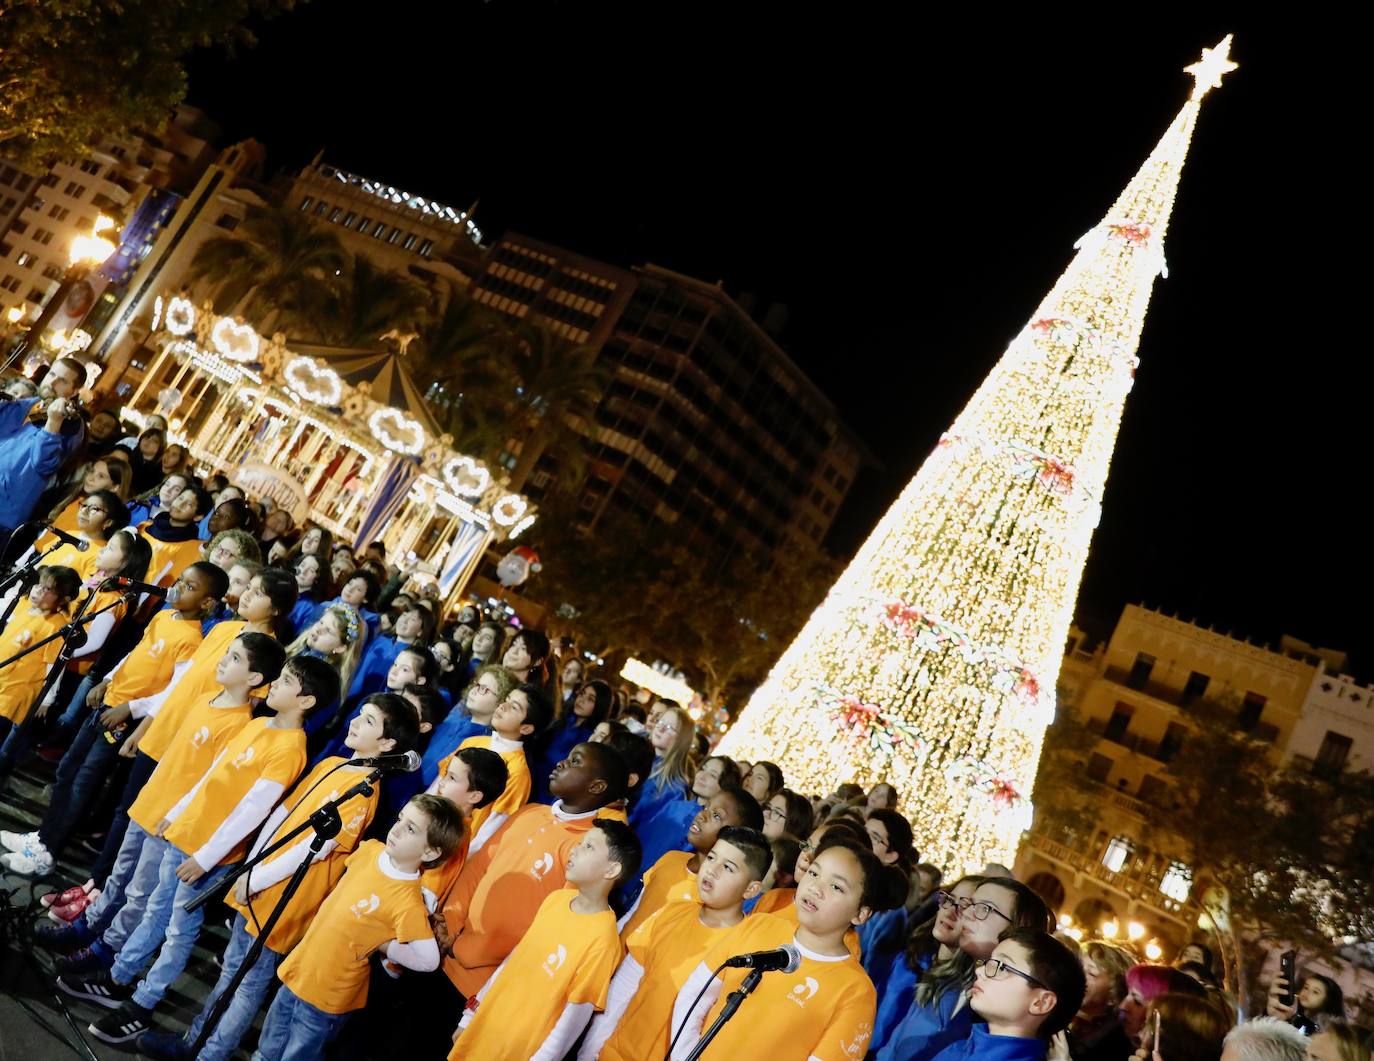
(911, 190)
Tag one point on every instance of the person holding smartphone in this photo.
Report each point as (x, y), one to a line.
(1319, 1001)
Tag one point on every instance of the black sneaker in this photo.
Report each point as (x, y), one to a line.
(62, 938)
(164, 1046)
(124, 1025)
(98, 987)
(81, 963)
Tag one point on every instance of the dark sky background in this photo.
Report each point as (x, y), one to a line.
(911, 190)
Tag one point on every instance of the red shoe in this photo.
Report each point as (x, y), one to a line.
(71, 911)
(75, 892)
(51, 755)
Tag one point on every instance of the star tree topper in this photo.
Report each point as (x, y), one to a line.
(1211, 68)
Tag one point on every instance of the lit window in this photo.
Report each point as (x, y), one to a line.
(1118, 851)
(1177, 882)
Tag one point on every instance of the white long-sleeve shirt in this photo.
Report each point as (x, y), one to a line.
(624, 985)
(246, 816)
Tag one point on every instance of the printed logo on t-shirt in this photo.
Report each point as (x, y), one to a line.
(555, 961)
(542, 866)
(155, 649)
(363, 907)
(200, 736)
(243, 758)
(804, 992)
(356, 821)
(858, 1046)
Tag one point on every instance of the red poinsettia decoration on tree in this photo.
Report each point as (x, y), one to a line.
(1131, 232)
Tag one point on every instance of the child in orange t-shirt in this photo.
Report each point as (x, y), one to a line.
(168, 643)
(673, 877)
(824, 1009)
(376, 907)
(21, 681)
(175, 533)
(200, 837)
(411, 1015)
(666, 948)
(526, 712)
(269, 595)
(385, 725)
(502, 887)
(541, 996)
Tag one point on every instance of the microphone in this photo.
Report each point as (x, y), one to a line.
(79, 544)
(784, 959)
(406, 762)
(120, 582)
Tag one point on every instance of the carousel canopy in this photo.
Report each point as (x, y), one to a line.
(382, 369)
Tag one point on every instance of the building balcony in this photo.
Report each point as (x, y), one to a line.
(1157, 690)
(1133, 882)
(1308, 765)
(1133, 742)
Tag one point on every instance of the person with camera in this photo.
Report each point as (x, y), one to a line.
(36, 439)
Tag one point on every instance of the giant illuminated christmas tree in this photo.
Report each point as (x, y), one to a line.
(932, 662)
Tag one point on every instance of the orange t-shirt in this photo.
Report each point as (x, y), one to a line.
(170, 559)
(197, 681)
(823, 1011)
(83, 563)
(668, 946)
(500, 889)
(517, 791)
(438, 882)
(169, 640)
(258, 752)
(565, 958)
(191, 750)
(775, 900)
(368, 908)
(322, 876)
(22, 680)
(667, 880)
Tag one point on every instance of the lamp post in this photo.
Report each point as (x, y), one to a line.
(85, 254)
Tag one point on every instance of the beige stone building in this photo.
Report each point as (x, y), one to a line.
(1133, 694)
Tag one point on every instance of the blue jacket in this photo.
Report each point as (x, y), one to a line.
(302, 614)
(653, 795)
(444, 739)
(982, 1045)
(30, 457)
(666, 829)
(926, 1030)
(371, 674)
(896, 986)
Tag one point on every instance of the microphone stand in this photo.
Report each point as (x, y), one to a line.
(732, 1003)
(326, 823)
(73, 636)
(23, 574)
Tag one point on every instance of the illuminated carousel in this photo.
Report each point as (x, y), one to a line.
(336, 434)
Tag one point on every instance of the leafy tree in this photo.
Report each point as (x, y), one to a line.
(277, 271)
(374, 301)
(642, 590)
(462, 362)
(1279, 853)
(74, 72)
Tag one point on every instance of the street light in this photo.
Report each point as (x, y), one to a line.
(84, 254)
(1109, 929)
(1153, 951)
(1135, 930)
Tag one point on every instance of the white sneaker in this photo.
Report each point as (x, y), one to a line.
(17, 841)
(32, 861)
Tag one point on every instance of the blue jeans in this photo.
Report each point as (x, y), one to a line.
(296, 1030)
(139, 773)
(167, 929)
(248, 999)
(134, 878)
(80, 774)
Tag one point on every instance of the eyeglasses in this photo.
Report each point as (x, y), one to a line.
(92, 508)
(878, 840)
(978, 911)
(808, 846)
(993, 968)
(776, 813)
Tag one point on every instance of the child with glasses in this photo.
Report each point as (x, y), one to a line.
(470, 718)
(939, 1013)
(1027, 991)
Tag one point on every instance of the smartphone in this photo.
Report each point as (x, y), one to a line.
(1288, 970)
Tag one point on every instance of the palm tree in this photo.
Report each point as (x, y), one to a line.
(278, 270)
(464, 366)
(557, 385)
(374, 301)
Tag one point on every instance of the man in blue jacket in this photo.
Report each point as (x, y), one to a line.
(31, 455)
